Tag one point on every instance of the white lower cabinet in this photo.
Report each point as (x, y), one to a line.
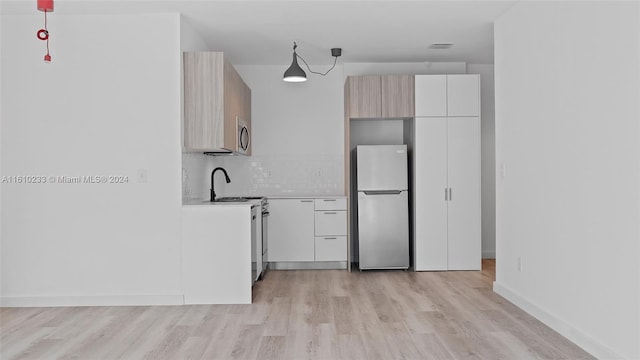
(307, 230)
(291, 230)
(332, 222)
(331, 248)
(331, 230)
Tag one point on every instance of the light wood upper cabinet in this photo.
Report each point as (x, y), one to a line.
(375, 96)
(365, 94)
(216, 99)
(397, 96)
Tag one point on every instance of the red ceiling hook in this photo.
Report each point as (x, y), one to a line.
(43, 34)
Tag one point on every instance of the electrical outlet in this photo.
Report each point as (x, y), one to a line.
(519, 264)
(142, 175)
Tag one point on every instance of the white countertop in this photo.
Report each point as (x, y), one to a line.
(249, 203)
(199, 202)
(306, 196)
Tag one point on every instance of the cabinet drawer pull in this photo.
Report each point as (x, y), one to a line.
(329, 200)
(331, 238)
(306, 200)
(329, 213)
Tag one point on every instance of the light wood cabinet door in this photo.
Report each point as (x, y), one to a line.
(233, 106)
(463, 95)
(203, 100)
(397, 96)
(291, 230)
(246, 112)
(431, 95)
(364, 93)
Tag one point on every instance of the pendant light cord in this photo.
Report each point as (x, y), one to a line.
(335, 59)
(46, 30)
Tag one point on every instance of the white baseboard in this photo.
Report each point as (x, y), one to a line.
(488, 254)
(106, 300)
(572, 333)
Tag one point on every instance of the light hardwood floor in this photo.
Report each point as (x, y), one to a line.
(319, 314)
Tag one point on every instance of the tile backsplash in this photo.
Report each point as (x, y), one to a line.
(264, 175)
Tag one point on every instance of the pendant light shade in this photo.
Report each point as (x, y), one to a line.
(295, 73)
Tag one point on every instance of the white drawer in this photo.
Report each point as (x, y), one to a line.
(331, 223)
(331, 204)
(331, 248)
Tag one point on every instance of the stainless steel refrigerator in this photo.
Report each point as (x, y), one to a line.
(383, 206)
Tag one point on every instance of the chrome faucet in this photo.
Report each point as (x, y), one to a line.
(226, 177)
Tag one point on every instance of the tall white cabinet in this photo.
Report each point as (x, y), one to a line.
(446, 163)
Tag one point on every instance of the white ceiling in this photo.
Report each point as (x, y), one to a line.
(262, 32)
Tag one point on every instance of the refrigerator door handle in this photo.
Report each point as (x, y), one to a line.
(446, 197)
(383, 192)
(450, 195)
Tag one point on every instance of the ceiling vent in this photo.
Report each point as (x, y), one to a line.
(441, 46)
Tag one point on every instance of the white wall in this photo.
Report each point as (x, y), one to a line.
(376, 132)
(108, 104)
(488, 156)
(298, 136)
(567, 130)
(355, 69)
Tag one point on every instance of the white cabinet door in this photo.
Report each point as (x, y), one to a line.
(430, 205)
(291, 230)
(464, 245)
(431, 95)
(331, 222)
(463, 95)
(331, 248)
(331, 204)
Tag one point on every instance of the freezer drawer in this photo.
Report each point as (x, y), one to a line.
(331, 222)
(383, 230)
(331, 248)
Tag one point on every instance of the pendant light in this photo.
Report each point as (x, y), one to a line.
(295, 73)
